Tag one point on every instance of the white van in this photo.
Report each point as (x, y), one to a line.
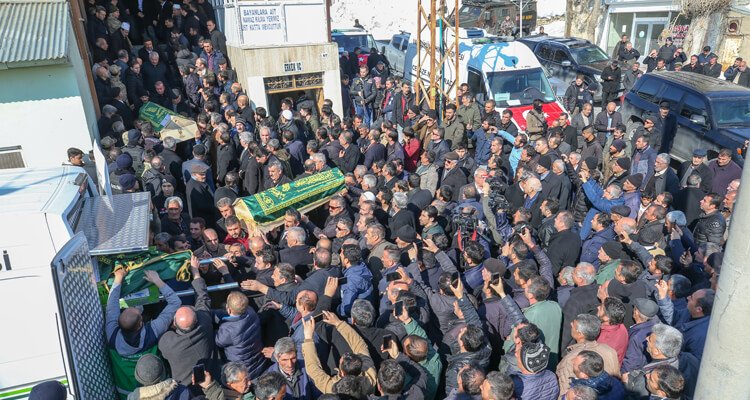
(494, 68)
(53, 323)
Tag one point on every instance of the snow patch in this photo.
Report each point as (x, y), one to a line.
(549, 8)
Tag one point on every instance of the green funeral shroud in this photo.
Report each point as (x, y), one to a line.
(155, 114)
(266, 209)
(135, 289)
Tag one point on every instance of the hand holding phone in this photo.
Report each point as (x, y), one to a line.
(387, 341)
(199, 373)
(343, 280)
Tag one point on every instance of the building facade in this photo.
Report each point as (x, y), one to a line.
(282, 49)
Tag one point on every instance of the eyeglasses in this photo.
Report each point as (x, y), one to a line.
(173, 208)
(338, 228)
(330, 207)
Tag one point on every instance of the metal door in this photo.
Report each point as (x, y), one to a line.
(81, 321)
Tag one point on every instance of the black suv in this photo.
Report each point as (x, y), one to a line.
(711, 113)
(567, 57)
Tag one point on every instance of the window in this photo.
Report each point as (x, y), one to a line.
(693, 105)
(588, 55)
(396, 42)
(649, 88)
(673, 95)
(476, 83)
(519, 88)
(560, 56)
(11, 157)
(545, 52)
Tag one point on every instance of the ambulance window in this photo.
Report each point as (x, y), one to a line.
(476, 83)
(560, 56)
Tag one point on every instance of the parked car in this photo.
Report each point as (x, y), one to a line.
(395, 52)
(567, 57)
(711, 113)
(349, 39)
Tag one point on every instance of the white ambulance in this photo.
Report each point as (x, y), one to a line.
(494, 68)
(52, 320)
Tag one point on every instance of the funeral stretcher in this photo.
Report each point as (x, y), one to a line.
(54, 221)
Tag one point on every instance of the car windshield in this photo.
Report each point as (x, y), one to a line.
(469, 12)
(519, 87)
(588, 55)
(350, 42)
(732, 112)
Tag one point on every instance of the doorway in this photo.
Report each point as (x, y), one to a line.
(646, 33)
(294, 86)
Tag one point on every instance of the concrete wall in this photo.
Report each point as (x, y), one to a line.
(47, 109)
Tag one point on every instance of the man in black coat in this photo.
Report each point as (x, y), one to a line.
(551, 183)
(403, 217)
(119, 40)
(226, 159)
(97, 26)
(564, 245)
(611, 78)
(192, 341)
(696, 166)
(153, 71)
(297, 254)
(664, 179)
(123, 109)
(453, 176)
(665, 123)
(688, 200)
(172, 161)
(583, 300)
(402, 101)
(348, 158)
(133, 80)
(200, 197)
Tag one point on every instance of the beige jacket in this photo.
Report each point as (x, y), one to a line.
(320, 378)
(565, 367)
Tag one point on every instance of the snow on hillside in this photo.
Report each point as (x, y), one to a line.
(383, 18)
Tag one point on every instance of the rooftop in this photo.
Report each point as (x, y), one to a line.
(33, 32)
(702, 83)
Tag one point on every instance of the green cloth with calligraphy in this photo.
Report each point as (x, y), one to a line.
(266, 209)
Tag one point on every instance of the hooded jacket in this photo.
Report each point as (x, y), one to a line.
(606, 386)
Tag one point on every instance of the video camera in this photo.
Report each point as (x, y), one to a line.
(496, 196)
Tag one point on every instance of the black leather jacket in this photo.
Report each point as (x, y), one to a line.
(710, 228)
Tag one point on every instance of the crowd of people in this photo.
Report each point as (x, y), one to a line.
(670, 57)
(463, 260)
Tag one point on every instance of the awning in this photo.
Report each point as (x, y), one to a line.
(117, 224)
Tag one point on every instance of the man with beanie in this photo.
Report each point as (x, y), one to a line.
(152, 376)
(620, 172)
(644, 313)
(50, 390)
(128, 337)
(123, 166)
(615, 151)
(551, 183)
(534, 381)
(632, 193)
(128, 183)
(609, 260)
(135, 149)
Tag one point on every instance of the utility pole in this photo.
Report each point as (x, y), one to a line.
(520, 19)
(725, 366)
(437, 40)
